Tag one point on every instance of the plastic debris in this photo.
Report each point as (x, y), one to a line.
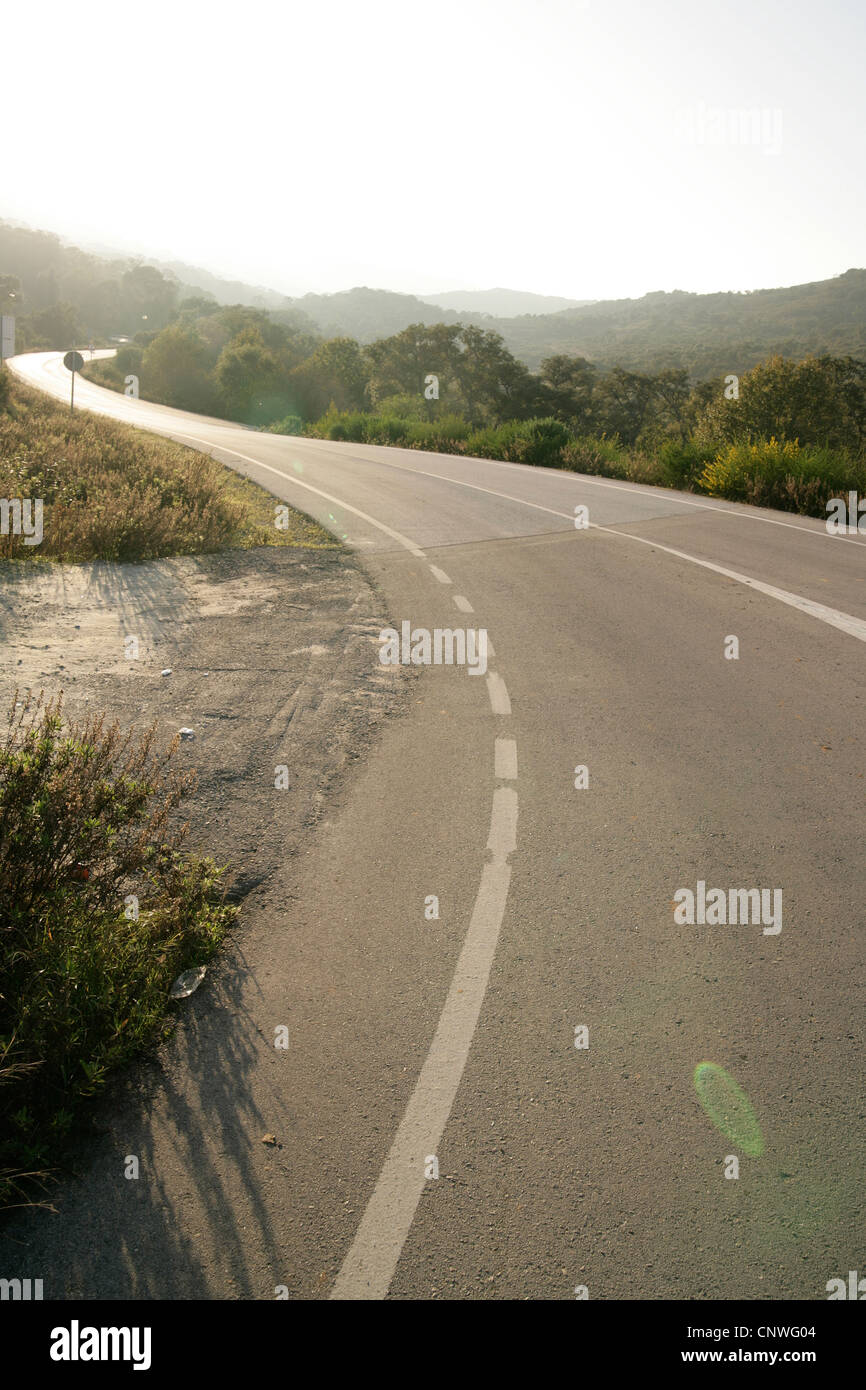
(187, 733)
(188, 982)
(166, 672)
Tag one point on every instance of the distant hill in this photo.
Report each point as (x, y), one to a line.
(707, 333)
(503, 303)
(193, 278)
(368, 314)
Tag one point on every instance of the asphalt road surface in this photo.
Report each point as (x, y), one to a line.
(535, 1044)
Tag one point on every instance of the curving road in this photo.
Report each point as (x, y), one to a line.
(450, 1043)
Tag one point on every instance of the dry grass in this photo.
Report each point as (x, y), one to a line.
(111, 492)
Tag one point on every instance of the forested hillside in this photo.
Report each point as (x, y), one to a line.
(708, 334)
(61, 295)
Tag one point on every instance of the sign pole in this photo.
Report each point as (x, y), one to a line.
(73, 362)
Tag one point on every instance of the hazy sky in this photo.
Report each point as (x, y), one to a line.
(591, 148)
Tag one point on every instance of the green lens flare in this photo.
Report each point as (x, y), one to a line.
(728, 1107)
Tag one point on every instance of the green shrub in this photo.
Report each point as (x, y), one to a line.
(405, 407)
(86, 821)
(597, 454)
(290, 424)
(340, 424)
(446, 435)
(646, 468)
(384, 429)
(540, 442)
(683, 462)
(782, 474)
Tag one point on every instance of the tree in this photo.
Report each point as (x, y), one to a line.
(621, 403)
(568, 383)
(496, 386)
(55, 327)
(335, 373)
(11, 298)
(175, 370)
(476, 374)
(251, 383)
(147, 298)
(819, 400)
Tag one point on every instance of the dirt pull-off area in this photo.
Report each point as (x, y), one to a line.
(269, 658)
(271, 662)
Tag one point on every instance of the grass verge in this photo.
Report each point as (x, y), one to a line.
(112, 492)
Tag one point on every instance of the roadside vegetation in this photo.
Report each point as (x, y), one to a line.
(792, 437)
(111, 492)
(786, 434)
(100, 910)
(698, 400)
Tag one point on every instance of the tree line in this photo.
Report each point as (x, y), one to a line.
(245, 364)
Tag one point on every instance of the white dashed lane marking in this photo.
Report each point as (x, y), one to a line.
(496, 689)
(505, 759)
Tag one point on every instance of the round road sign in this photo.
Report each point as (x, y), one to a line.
(73, 361)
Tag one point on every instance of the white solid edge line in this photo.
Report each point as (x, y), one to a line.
(287, 477)
(669, 495)
(845, 622)
(834, 617)
(368, 1268)
(329, 497)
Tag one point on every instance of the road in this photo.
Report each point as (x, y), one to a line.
(451, 1043)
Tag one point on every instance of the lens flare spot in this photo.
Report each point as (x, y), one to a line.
(728, 1107)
